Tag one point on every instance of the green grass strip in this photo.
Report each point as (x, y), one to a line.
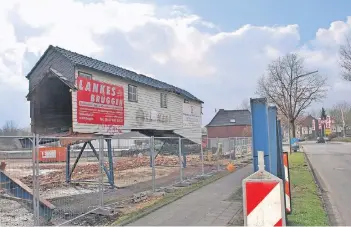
(307, 206)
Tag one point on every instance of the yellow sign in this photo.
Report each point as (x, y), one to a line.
(327, 131)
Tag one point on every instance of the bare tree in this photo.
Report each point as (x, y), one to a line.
(9, 129)
(341, 113)
(345, 59)
(290, 88)
(245, 105)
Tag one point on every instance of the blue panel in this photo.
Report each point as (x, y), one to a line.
(16, 188)
(260, 140)
(272, 130)
(280, 151)
(110, 162)
(68, 164)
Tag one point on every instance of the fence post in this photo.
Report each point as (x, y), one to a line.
(35, 152)
(180, 159)
(202, 159)
(101, 177)
(152, 155)
(219, 149)
(234, 144)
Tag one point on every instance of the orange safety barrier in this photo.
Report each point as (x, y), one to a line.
(52, 154)
(287, 182)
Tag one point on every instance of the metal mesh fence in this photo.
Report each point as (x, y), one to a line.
(88, 180)
(221, 151)
(15, 163)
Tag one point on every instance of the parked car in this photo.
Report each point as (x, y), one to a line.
(322, 139)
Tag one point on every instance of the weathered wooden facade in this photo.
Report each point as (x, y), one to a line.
(148, 105)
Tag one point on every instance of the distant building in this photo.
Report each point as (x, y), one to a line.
(229, 127)
(306, 127)
(309, 127)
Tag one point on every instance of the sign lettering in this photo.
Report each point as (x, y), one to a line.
(99, 103)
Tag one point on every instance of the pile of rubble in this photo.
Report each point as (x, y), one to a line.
(89, 171)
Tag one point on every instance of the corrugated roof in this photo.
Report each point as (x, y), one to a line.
(92, 63)
(231, 117)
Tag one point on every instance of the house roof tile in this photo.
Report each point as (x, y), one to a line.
(231, 117)
(92, 63)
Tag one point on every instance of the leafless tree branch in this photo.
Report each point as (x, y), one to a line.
(345, 59)
(287, 85)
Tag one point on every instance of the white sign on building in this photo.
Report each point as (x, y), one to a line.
(191, 115)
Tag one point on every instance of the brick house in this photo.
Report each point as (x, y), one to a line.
(229, 127)
(306, 127)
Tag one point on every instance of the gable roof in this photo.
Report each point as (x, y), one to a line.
(305, 121)
(85, 61)
(224, 117)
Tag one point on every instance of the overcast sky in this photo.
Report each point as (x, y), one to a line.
(214, 49)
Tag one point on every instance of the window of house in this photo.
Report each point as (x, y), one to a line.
(186, 101)
(85, 75)
(163, 100)
(132, 93)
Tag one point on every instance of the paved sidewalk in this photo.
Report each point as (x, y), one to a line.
(207, 206)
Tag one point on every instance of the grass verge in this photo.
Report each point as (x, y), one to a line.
(307, 206)
(167, 199)
(342, 139)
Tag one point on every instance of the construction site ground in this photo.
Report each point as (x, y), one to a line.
(132, 175)
(216, 204)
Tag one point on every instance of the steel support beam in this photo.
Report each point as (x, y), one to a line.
(68, 164)
(75, 162)
(280, 151)
(18, 189)
(110, 161)
(272, 132)
(105, 169)
(260, 139)
(184, 154)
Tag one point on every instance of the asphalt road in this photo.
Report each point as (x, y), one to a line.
(332, 166)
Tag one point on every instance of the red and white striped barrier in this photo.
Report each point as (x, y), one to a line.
(287, 182)
(263, 198)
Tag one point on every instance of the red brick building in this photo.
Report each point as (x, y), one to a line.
(227, 125)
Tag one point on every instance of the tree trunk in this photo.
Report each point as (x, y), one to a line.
(292, 126)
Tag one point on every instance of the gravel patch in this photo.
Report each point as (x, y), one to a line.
(12, 213)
